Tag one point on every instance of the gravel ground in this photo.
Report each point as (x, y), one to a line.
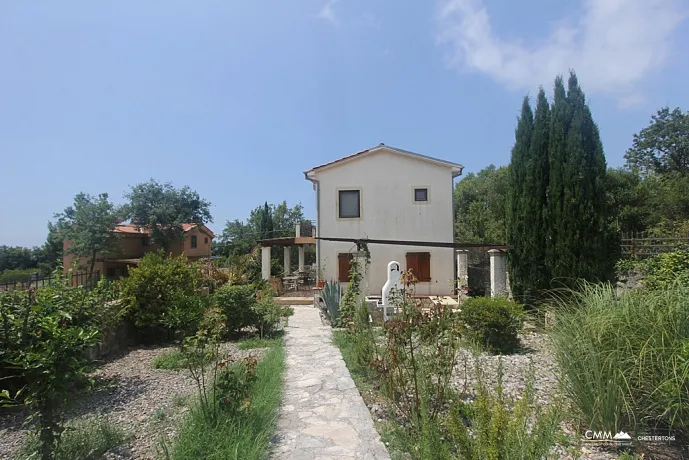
(536, 350)
(148, 403)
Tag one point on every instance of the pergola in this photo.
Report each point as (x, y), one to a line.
(286, 243)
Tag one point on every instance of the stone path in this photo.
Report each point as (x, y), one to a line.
(322, 416)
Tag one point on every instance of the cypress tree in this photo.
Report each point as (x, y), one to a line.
(516, 197)
(583, 238)
(556, 225)
(536, 204)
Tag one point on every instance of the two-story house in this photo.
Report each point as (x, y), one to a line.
(389, 194)
(134, 242)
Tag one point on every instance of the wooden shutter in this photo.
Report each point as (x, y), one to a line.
(343, 266)
(420, 265)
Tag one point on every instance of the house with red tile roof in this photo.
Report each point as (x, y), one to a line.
(134, 242)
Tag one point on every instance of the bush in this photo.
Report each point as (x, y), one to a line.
(625, 361)
(493, 322)
(267, 316)
(664, 270)
(154, 288)
(237, 305)
(184, 315)
(44, 338)
(17, 275)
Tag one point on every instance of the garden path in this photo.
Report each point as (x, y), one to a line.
(322, 416)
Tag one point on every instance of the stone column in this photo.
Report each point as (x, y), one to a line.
(287, 259)
(498, 273)
(301, 258)
(298, 231)
(265, 262)
(462, 272)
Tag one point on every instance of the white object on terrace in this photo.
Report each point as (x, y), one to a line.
(393, 282)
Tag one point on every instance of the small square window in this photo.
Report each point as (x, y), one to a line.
(349, 204)
(193, 241)
(420, 194)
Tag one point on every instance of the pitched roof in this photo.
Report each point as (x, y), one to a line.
(457, 168)
(131, 229)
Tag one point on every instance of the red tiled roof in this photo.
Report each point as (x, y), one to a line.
(131, 229)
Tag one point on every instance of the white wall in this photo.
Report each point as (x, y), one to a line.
(386, 180)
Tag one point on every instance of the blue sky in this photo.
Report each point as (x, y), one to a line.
(237, 98)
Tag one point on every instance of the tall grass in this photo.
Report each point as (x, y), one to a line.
(84, 439)
(243, 435)
(625, 362)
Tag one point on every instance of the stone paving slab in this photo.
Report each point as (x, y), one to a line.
(322, 416)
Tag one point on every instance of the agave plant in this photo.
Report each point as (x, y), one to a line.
(331, 297)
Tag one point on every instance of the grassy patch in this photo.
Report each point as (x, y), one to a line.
(243, 435)
(172, 360)
(255, 342)
(85, 439)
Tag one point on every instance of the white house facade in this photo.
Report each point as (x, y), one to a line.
(390, 194)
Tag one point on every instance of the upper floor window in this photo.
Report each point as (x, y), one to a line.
(193, 241)
(420, 194)
(205, 240)
(349, 204)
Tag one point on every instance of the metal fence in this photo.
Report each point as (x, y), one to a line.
(74, 279)
(646, 245)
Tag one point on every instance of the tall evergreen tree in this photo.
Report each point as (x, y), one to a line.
(517, 173)
(532, 242)
(584, 238)
(576, 199)
(557, 161)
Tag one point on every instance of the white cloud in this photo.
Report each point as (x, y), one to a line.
(613, 46)
(327, 13)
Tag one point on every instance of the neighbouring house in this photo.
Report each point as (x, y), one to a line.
(134, 242)
(387, 193)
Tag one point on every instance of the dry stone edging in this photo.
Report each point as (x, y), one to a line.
(322, 416)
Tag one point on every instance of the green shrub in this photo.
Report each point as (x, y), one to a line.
(664, 270)
(234, 383)
(184, 315)
(155, 287)
(44, 338)
(494, 427)
(331, 297)
(237, 304)
(17, 275)
(267, 315)
(625, 361)
(493, 322)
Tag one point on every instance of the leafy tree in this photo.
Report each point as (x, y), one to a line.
(663, 146)
(266, 223)
(163, 209)
(16, 258)
(480, 206)
(89, 224)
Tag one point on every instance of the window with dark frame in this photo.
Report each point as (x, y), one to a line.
(205, 240)
(420, 194)
(343, 262)
(349, 204)
(193, 241)
(420, 265)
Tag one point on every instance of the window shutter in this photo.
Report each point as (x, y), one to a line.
(420, 265)
(413, 263)
(343, 266)
(424, 266)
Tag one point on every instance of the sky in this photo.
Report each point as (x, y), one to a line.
(236, 99)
